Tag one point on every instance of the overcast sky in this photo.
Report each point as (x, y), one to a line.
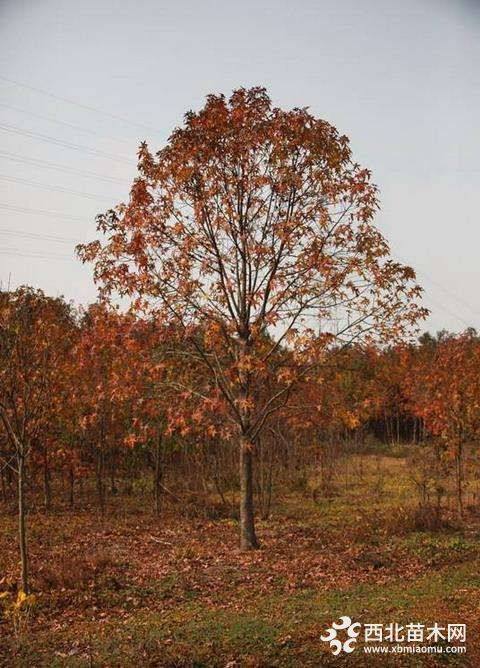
(401, 79)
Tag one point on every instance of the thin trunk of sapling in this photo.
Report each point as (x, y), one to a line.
(22, 529)
(100, 481)
(47, 492)
(459, 479)
(71, 477)
(158, 476)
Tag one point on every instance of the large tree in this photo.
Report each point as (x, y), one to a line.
(251, 231)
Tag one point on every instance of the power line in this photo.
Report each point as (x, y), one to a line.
(43, 256)
(77, 104)
(41, 212)
(36, 162)
(64, 144)
(57, 121)
(436, 301)
(44, 186)
(450, 293)
(449, 311)
(33, 235)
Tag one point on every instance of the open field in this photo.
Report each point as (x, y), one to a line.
(176, 591)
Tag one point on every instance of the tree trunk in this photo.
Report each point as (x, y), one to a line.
(22, 531)
(459, 479)
(113, 471)
(4, 486)
(157, 483)
(71, 487)
(248, 539)
(100, 482)
(47, 493)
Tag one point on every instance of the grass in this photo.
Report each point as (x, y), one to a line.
(177, 592)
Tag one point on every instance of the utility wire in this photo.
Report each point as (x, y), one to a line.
(33, 235)
(439, 304)
(45, 186)
(450, 293)
(81, 105)
(57, 121)
(43, 256)
(448, 310)
(36, 162)
(64, 144)
(41, 212)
